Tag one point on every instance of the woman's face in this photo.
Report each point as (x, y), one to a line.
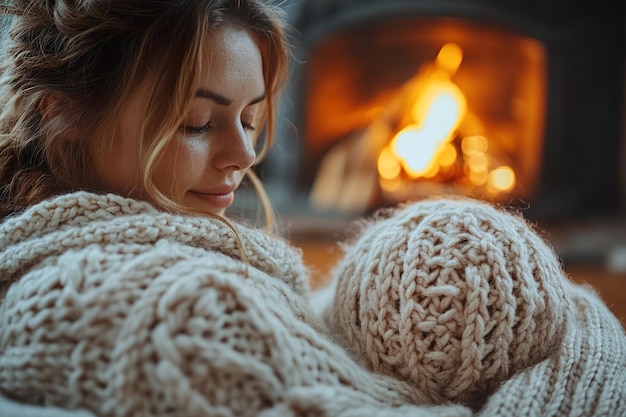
(206, 160)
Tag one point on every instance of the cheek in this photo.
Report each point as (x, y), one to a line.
(184, 162)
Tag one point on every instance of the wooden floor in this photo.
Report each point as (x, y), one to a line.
(322, 254)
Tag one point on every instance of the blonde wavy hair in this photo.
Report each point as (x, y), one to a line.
(87, 57)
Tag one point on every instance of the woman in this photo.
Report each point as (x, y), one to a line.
(126, 128)
(91, 104)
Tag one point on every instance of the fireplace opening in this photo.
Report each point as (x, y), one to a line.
(517, 102)
(404, 109)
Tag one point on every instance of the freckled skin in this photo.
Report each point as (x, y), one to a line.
(207, 159)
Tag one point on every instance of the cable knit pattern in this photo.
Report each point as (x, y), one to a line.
(125, 311)
(81, 219)
(456, 296)
(116, 309)
(586, 376)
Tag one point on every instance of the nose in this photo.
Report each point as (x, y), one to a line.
(237, 151)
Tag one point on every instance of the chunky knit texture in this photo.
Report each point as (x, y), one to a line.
(122, 310)
(119, 310)
(451, 296)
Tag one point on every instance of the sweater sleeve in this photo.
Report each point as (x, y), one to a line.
(586, 376)
(171, 333)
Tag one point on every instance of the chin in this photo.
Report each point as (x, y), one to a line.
(221, 213)
(203, 209)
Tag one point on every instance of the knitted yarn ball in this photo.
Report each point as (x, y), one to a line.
(453, 295)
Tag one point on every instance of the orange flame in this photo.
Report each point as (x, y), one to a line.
(437, 113)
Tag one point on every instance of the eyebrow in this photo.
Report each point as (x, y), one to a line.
(221, 100)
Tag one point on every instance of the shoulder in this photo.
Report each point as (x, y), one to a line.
(82, 227)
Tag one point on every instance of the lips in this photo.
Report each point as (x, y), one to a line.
(219, 198)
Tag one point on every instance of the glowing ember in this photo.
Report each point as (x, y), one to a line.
(501, 179)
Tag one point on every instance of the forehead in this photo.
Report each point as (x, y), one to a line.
(230, 51)
(229, 64)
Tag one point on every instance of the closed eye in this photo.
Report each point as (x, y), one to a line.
(195, 130)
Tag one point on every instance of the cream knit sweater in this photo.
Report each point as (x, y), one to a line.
(117, 309)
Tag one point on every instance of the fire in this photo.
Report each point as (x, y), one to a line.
(440, 110)
(425, 144)
(436, 114)
(444, 106)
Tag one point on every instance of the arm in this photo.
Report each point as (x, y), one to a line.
(182, 331)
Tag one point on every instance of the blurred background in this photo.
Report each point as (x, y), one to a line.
(519, 103)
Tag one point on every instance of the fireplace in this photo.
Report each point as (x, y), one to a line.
(446, 106)
(519, 103)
